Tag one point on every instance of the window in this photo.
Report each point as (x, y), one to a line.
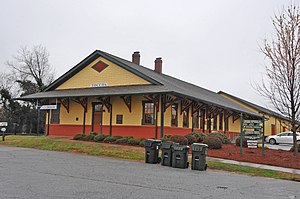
(185, 118)
(202, 119)
(196, 119)
(215, 122)
(55, 115)
(174, 115)
(221, 121)
(119, 119)
(148, 113)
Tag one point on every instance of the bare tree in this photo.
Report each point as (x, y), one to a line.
(32, 65)
(282, 83)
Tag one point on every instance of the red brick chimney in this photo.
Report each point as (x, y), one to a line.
(158, 65)
(136, 58)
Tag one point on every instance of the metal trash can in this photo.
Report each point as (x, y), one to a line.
(180, 156)
(199, 153)
(152, 150)
(166, 153)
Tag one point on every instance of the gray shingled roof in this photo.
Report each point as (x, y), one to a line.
(255, 106)
(161, 84)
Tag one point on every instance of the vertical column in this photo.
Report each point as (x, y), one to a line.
(162, 117)
(110, 120)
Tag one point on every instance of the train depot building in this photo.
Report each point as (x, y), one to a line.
(110, 95)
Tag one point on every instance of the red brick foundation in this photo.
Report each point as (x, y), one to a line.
(135, 131)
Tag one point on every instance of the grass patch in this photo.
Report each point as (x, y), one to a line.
(125, 152)
(65, 145)
(252, 171)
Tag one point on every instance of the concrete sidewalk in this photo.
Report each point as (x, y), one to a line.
(260, 166)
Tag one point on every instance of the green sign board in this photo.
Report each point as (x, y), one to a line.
(252, 130)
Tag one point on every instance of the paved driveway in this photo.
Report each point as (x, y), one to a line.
(285, 147)
(30, 173)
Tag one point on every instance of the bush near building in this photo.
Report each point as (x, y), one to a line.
(223, 137)
(179, 139)
(213, 142)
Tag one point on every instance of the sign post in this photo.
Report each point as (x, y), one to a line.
(3, 126)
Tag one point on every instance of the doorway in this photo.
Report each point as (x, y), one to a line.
(97, 117)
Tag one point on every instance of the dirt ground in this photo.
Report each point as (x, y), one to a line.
(272, 157)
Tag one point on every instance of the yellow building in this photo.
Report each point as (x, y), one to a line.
(274, 122)
(110, 95)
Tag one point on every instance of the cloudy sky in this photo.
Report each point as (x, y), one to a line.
(214, 44)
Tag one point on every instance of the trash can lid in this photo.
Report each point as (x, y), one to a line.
(199, 146)
(180, 147)
(154, 140)
(167, 144)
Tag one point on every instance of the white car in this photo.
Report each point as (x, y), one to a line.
(283, 138)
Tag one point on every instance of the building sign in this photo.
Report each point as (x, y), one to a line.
(3, 123)
(46, 107)
(253, 132)
(252, 143)
(102, 84)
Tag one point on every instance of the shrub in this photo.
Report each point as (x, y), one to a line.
(179, 139)
(199, 136)
(167, 136)
(133, 141)
(93, 133)
(89, 137)
(100, 138)
(118, 137)
(238, 140)
(128, 137)
(191, 138)
(78, 136)
(110, 139)
(142, 143)
(122, 141)
(224, 138)
(213, 142)
(164, 139)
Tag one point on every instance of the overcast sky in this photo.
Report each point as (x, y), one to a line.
(213, 44)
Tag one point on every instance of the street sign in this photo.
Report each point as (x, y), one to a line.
(46, 107)
(252, 143)
(252, 127)
(252, 137)
(3, 123)
(3, 129)
(252, 121)
(252, 133)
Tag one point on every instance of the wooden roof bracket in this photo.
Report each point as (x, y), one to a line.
(235, 117)
(127, 101)
(66, 103)
(185, 104)
(105, 101)
(82, 101)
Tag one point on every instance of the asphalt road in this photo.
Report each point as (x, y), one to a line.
(30, 173)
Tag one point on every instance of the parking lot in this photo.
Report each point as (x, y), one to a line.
(285, 147)
(30, 173)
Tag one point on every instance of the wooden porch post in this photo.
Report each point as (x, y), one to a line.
(48, 121)
(110, 120)
(162, 117)
(84, 117)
